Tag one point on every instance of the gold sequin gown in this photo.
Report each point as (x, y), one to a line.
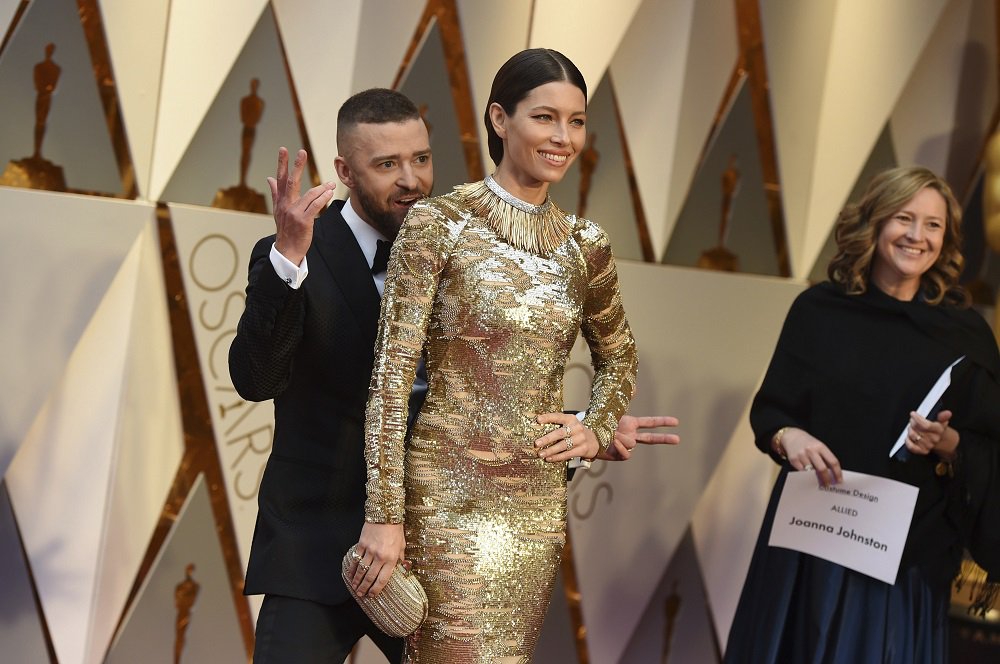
(494, 293)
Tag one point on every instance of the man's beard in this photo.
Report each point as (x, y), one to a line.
(380, 213)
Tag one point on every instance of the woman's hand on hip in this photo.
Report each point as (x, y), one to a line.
(570, 439)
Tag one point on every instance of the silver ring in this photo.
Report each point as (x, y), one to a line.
(569, 432)
(916, 437)
(808, 466)
(569, 444)
(362, 565)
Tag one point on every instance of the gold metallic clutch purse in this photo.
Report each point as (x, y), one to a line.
(401, 606)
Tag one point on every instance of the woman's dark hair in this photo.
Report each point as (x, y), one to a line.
(859, 226)
(521, 74)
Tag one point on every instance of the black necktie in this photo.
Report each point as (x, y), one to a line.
(381, 256)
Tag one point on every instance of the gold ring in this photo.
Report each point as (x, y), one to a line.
(569, 443)
(363, 566)
(569, 432)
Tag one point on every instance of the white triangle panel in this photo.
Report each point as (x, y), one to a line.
(217, 146)
(861, 90)
(22, 629)
(190, 566)
(77, 244)
(797, 38)
(136, 32)
(676, 626)
(710, 64)
(727, 520)
(213, 248)
(7, 10)
(148, 447)
(926, 109)
(203, 41)
(941, 118)
(385, 32)
(588, 33)
(493, 32)
(60, 480)
(321, 66)
(698, 363)
(650, 103)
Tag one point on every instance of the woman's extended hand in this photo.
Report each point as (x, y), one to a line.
(926, 436)
(628, 436)
(571, 439)
(380, 547)
(805, 452)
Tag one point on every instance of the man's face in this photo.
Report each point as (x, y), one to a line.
(388, 168)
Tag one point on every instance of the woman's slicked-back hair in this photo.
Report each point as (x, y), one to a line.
(860, 225)
(521, 74)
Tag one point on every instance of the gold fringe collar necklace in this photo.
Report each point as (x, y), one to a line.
(535, 228)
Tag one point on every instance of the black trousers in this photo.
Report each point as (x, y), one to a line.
(297, 631)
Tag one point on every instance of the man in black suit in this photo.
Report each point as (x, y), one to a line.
(308, 343)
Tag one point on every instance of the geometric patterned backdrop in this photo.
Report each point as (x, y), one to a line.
(130, 466)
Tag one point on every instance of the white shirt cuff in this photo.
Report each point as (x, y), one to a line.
(287, 270)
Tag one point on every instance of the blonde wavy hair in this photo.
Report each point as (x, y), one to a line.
(860, 224)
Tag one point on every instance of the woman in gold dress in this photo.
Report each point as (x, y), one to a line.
(491, 283)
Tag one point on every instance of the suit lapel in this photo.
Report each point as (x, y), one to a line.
(335, 242)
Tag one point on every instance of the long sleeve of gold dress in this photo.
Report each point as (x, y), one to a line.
(493, 292)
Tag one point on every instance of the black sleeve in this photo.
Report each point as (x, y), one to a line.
(269, 331)
(974, 505)
(783, 398)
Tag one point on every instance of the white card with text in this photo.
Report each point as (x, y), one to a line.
(860, 523)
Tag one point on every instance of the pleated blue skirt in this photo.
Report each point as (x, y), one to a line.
(799, 609)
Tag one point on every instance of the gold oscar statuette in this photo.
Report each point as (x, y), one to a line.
(718, 257)
(242, 197)
(185, 595)
(671, 608)
(37, 172)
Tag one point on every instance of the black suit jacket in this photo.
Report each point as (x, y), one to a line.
(311, 350)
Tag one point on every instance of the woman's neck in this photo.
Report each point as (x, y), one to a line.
(527, 189)
(900, 290)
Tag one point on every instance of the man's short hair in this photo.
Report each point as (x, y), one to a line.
(374, 106)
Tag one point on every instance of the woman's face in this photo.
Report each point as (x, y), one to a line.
(909, 243)
(544, 135)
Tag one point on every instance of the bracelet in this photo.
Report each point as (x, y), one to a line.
(776, 442)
